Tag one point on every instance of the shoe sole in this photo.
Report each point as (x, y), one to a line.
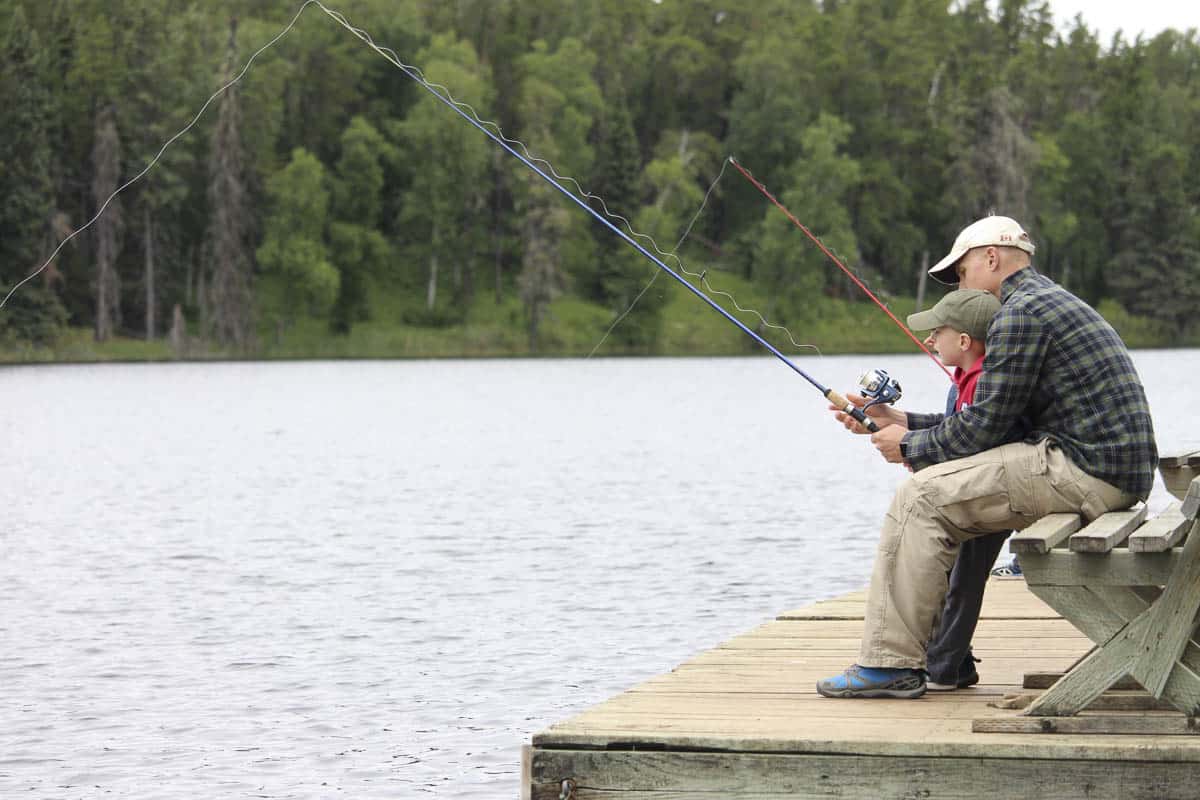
(894, 694)
(934, 686)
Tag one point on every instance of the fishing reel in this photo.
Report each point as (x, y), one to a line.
(879, 387)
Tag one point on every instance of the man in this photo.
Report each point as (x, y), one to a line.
(1090, 449)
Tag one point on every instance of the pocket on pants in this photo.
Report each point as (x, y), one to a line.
(977, 498)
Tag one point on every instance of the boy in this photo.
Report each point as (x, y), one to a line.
(958, 327)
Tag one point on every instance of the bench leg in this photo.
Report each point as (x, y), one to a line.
(1172, 619)
(1096, 673)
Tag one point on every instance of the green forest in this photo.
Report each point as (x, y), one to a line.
(326, 205)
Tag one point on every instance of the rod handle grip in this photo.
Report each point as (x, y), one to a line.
(851, 409)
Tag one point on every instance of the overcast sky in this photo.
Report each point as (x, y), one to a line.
(1129, 16)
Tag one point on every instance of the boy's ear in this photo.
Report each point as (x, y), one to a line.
(964, 341)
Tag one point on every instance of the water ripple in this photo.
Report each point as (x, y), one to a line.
(312, 593)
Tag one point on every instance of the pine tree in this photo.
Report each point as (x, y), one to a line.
(34, 313)
(618, 164)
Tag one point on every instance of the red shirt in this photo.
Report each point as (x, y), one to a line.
(965, 381)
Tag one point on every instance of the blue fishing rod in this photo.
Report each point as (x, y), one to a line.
(831, 395)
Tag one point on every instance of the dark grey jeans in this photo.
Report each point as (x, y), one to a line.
(951, 642)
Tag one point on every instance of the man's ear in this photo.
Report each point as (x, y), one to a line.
(994, 258)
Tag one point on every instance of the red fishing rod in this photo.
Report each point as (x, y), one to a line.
(843, 268)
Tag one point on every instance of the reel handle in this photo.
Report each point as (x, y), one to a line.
(851, 409)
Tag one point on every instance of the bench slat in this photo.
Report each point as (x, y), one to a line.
(1118, 568)
(1045, 534)
(1107, 531)
(1191, 459)
(1161, 533)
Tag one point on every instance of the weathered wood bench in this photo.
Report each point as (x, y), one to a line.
(1132, 586)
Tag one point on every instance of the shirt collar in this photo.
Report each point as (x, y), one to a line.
(1022, 277)
(961, 375)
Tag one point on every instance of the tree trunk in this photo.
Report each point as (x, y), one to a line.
(922, 279)
(431, 286)
(189, 296)
(148, 229)
(230, 301)
(106, 158)
(498, 225)
(178, 335)
(665, 195)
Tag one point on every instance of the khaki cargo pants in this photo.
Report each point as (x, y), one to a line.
(1006, 488)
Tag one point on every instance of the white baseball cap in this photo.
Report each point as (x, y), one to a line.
(989, 231)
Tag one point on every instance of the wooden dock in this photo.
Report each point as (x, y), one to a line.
(743, 720)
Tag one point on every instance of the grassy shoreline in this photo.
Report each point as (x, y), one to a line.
(572, 328)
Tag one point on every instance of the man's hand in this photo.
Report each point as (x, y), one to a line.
(884, 415)
(887, 442)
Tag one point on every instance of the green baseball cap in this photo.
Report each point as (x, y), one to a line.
(966, 310)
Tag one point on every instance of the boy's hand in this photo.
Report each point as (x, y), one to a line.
(884, 415)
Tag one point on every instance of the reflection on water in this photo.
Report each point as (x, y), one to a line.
(379, 579)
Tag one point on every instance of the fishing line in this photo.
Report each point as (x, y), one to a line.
(530, 160)
(154, 160)
(840, 265)
(473, 118)
(416, 73)
(527, 159)
(703, 278)
(654, 277)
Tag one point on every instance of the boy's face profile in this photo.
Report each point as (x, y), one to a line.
(952, 346)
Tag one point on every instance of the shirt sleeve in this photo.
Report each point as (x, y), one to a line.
(917, 421)
(1016, 350)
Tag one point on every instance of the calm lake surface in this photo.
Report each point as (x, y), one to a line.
(378, 579)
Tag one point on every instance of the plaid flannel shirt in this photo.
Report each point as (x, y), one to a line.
(1052, 359)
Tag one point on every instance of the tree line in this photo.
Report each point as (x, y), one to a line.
(327, 185)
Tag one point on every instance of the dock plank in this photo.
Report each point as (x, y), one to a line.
(734, 719)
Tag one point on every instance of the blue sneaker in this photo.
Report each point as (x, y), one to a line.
(1010, 570)
(859, 681)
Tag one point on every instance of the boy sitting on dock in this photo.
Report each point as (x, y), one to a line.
(958, 327)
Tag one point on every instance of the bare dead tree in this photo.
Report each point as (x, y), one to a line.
(230, 313)
(1006, 157)
(106, 160)
(993, 173)
(542, 278)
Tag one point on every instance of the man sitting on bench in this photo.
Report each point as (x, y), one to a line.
(1050, 358)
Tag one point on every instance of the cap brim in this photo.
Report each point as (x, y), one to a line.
(947, 275)
(923, 320)
(944, 271)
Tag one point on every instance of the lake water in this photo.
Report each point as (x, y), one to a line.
(378, 579)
